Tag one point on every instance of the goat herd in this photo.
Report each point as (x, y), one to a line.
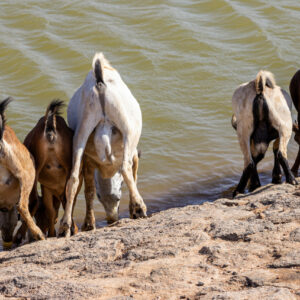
(99, 148)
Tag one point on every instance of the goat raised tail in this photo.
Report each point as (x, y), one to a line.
(3, 106)
(53, 110)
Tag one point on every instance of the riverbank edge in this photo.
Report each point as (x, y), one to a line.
(246, 248)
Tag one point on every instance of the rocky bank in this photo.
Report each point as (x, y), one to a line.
(247, 248)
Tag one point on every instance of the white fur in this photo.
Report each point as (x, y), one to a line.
(109, 153)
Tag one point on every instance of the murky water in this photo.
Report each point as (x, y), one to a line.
(182, 60)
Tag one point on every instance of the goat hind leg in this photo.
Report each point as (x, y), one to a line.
(33, 206)
(254, 178)
(295, 167)
(276, 173)
(284, 129)
(87, 125)
(282, 158)
(26, 216)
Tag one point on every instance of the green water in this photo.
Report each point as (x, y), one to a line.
(181, 59)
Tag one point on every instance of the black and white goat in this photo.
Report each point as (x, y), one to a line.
(262, 113)
(295, 94)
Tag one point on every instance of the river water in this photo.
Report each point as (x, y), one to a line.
(182, 60)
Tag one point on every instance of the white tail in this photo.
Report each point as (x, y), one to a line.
(263, 79)
(102, 142)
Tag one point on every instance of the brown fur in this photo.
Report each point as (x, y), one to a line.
(295, 94)
(53, 157)
(18, 171)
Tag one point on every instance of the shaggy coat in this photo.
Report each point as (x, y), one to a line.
(262, 114)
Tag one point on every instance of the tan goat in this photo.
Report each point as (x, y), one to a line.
(17, 175)
(262, 113)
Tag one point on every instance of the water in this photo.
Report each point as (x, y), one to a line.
(181, 59)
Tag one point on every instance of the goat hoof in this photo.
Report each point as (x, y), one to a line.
(291, 180)
(30, 237)
(39, 237)
(110, 220)
(138, 211)
(295, 173)
(64, 230)
(88, 227)
(276, 180)
(235, 193)
(7, 245)
(295, 182)
(18, 239)
(254, 187)
(74, 229)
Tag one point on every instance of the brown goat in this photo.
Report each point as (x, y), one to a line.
(295, 94)
(50, 143)
(17, 175)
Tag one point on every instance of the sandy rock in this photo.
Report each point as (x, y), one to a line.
(246, 248)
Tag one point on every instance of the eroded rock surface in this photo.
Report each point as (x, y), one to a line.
(247, 248)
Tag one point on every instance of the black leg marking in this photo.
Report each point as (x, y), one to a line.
(254, 179)
(276, 174)
(244, 179)
(285, 166)
(295, 167)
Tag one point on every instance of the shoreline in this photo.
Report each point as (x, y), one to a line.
(246, 248)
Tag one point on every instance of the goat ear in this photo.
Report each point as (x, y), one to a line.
(295, 126)
(269, 83)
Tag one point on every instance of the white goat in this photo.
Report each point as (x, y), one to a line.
(262, 113)
(107, 122)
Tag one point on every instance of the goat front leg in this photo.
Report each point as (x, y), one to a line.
(137, 207)
(284, 129)
(89, 192)
(81, 136)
